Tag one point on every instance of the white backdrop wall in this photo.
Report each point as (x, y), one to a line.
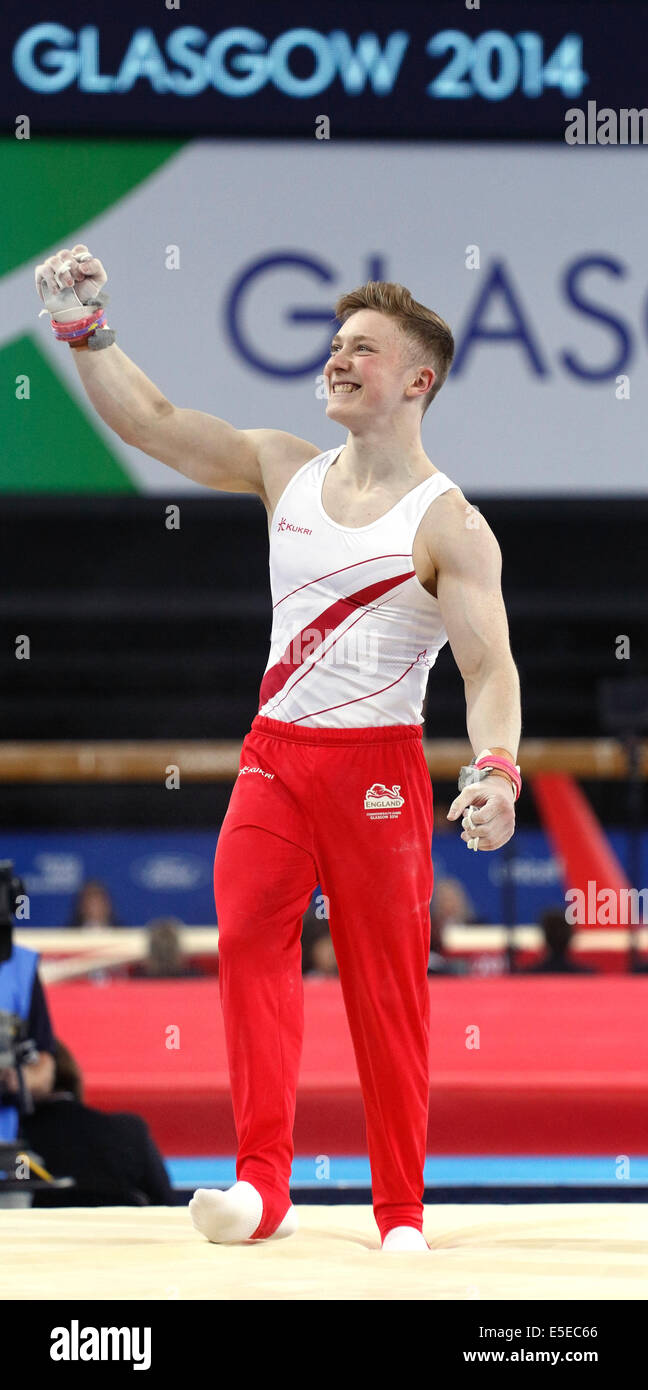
(548, 394)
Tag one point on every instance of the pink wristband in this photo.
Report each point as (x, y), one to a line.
(509, 768)
(65, 332)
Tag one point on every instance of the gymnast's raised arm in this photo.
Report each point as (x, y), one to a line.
(202, 447)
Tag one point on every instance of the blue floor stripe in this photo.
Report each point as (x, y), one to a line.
(464, 1170)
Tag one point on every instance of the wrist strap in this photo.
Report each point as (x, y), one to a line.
(487, 759)
(101, 338)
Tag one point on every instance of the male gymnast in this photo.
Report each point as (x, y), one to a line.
(376, 560)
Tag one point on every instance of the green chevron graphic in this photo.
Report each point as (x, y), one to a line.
(48, 444)
(51, 186)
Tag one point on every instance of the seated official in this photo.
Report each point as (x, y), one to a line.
(112, 1157)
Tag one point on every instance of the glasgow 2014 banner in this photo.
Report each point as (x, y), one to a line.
(225, 260)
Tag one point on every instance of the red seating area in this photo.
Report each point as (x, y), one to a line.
(561, 1066)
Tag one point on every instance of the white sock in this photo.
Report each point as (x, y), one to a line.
(404, 1238)
(226, 1218)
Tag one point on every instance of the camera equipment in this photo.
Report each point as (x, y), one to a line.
(16, 1049)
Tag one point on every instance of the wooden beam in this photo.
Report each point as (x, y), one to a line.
(218, 760)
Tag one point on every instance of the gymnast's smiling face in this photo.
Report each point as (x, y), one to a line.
(371, 373)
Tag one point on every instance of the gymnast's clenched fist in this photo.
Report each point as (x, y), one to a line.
(68, 279)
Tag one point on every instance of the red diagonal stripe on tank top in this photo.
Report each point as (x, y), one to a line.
(275, 679)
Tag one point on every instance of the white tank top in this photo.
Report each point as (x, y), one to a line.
(354, 633)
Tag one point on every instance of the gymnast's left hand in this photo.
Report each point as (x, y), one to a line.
(488, 813)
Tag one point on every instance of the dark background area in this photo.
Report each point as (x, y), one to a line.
(139, 632)
(142, 632)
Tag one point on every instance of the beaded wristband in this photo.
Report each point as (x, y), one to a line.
(78, 328)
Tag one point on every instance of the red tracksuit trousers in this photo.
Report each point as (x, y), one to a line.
(299, 815)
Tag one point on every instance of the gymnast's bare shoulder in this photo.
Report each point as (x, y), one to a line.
(279, 456)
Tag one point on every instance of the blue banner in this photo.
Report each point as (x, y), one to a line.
(162, 873)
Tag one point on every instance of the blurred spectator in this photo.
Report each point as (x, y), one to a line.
(450, 907)
(165, 959)
(93, 906)
(558, 934)
(113, 1158)
(318, 955)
